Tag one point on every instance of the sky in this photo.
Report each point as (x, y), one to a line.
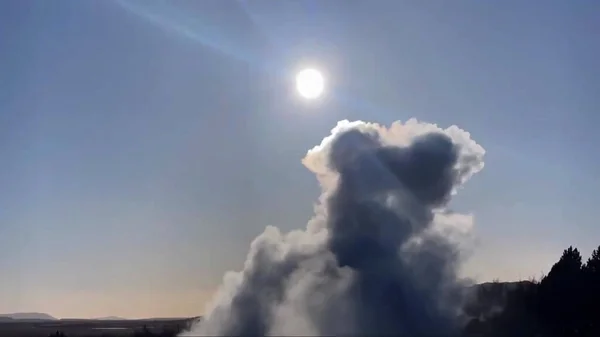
(144, 144)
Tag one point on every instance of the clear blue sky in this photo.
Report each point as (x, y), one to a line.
(144, 144)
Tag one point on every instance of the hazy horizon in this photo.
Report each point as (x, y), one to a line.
(145, 144)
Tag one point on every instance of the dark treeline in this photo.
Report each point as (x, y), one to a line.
(565, 302)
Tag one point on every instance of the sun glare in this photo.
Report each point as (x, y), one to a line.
(310, 83)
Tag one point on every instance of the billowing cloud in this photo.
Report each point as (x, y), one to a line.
(381, 254)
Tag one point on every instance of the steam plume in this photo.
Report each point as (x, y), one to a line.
(379, 257)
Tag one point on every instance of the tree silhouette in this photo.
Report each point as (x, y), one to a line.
(566, 302)
(593, 263)
(591, 304)
(561, 296)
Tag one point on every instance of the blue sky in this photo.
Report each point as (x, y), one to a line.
(144, 144)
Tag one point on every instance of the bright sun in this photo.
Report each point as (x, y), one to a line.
(310, 83)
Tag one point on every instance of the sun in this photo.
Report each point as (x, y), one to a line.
(310, 83)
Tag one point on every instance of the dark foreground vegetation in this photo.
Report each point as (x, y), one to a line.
(94, 328)
(566, 302)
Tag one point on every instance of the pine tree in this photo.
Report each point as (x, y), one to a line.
(562, 295)
(592, 266)
(591, 303)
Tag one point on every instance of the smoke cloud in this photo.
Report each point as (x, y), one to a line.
(381, 254)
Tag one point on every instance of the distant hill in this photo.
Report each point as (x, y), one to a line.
(164, 318)
(111, 318)
(30, 316)
(489, 298)
(506, 285)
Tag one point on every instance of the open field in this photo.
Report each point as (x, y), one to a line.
(93, 328)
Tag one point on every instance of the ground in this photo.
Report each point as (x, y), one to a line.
(93, 328)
